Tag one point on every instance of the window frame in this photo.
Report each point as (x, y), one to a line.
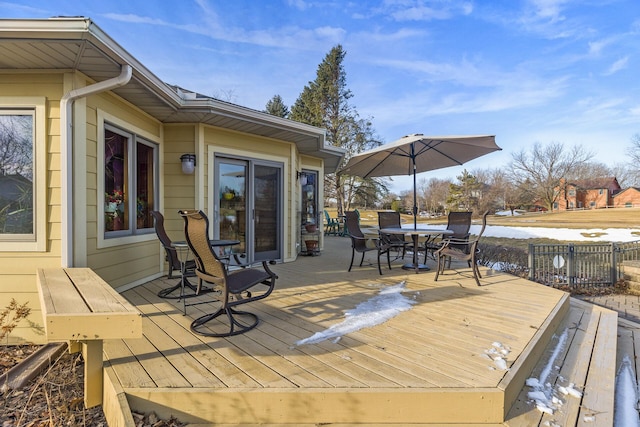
(37, 240)
(136, 136)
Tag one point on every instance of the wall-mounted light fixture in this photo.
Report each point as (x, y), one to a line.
(302, 177)
(188, 163)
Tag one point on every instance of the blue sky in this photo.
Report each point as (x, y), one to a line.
(524, 70)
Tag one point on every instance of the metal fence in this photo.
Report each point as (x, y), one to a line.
(589, 265)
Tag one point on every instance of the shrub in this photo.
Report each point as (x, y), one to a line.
(11, 316)
(504, 258)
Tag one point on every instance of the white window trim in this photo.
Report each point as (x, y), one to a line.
(106, 118)
(38, 105)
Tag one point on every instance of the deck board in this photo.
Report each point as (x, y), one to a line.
(432, 355)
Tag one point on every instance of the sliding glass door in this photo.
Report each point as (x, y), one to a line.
(248, 207)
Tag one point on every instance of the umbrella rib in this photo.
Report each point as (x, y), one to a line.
(427, 147)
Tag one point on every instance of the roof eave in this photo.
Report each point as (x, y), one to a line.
(82, 28)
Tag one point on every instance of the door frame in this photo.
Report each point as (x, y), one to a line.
(214, 186)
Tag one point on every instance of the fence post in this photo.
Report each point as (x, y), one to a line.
(614, 265)
(532, 265)
(571, 265)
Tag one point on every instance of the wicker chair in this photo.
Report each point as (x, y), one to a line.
(172, 258)
(359, 242)
(235, 287)
(461, 250)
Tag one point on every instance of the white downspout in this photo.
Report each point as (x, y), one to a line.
(66, 154)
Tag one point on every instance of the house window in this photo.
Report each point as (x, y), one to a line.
(130, 182)
(572, 192)
(23, 159)
(17, 175)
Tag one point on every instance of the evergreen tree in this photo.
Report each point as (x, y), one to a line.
(276, 107)
(324, 103)
(464, 196)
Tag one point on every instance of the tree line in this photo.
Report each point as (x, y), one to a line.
(531, 177)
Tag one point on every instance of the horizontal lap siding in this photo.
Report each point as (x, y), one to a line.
(19, 268)
(130, 262)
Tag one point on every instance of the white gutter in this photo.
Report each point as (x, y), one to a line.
(66, 154)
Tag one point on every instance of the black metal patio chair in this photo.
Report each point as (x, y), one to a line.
(461, 250)
(395, 242)
(459, 223)
(359, 241)
(171, 256)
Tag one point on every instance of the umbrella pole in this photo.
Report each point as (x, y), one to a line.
(415, 200)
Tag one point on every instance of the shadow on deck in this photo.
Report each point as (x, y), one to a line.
(428, 365)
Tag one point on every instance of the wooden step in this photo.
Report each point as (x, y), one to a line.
(580, 360)
(631, 274)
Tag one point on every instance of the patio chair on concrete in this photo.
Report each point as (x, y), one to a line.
(235, 287)
(172, 258)
(359, 241)
(461, 250)
(395, 242)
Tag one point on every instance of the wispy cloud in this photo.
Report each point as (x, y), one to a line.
(27, 10)
(284, 37)
(620, 64)
(547, 19)
(548, 10)
(420, 10)
(298, 4)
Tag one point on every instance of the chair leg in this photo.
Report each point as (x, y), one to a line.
(353, 254)
(476, 274)
(362, 259)
(380, 269)
(438, 269)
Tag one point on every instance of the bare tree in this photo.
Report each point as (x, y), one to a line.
(544, 168)
(494, 190)
(16, 146)
(626, 174)
(590, 171)
(435, 193)
(634, 150)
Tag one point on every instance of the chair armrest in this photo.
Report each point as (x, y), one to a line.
(453, 241)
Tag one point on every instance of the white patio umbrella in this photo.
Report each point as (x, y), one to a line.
(416, 153)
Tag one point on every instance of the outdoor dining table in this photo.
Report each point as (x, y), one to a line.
(415, 233)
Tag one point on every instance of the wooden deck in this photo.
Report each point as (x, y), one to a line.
(427, 365)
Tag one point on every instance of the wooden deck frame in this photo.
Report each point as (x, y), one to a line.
(423, 367)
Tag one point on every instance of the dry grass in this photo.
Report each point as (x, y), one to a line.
(596, 218)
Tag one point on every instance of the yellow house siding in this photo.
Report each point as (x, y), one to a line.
(19, 267)
(129, 259)
(179, 189)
